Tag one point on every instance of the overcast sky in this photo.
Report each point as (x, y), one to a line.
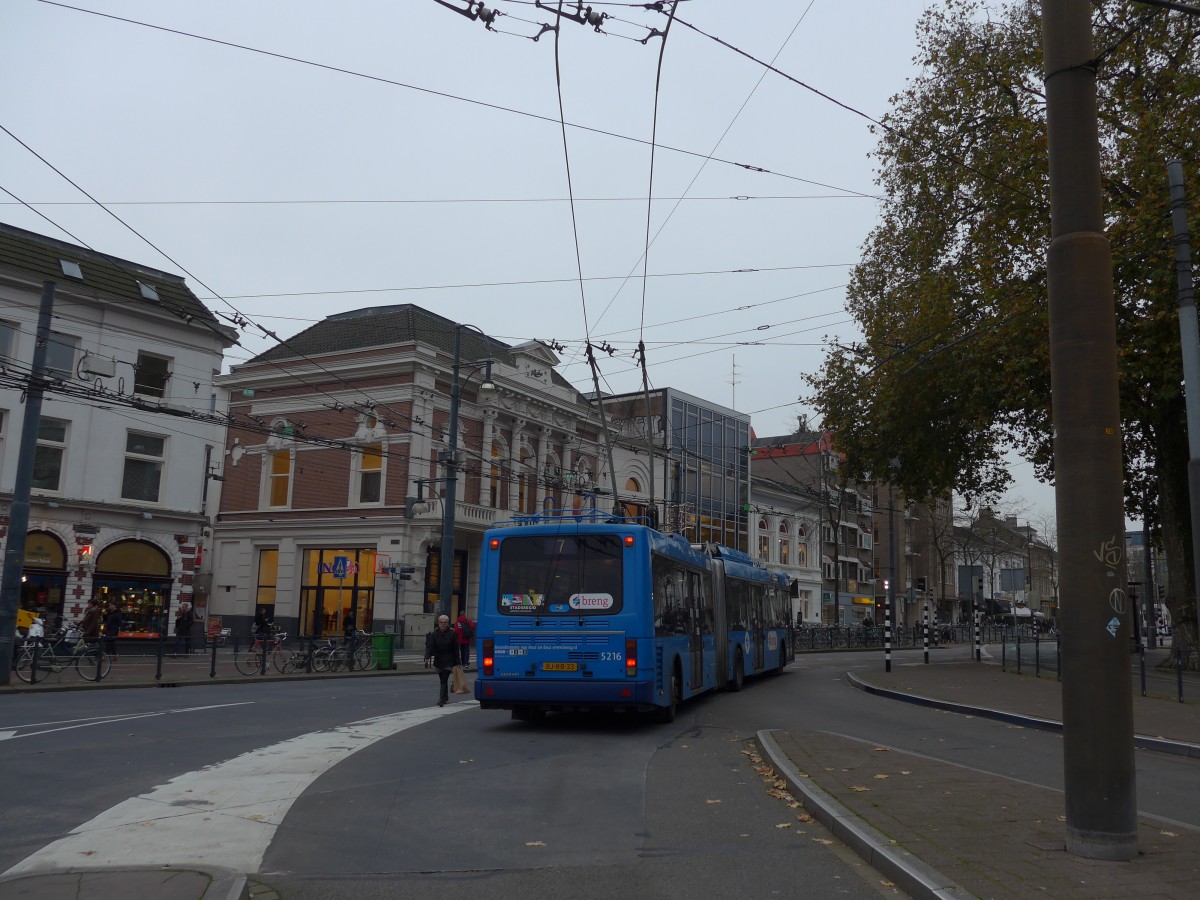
(403, 153)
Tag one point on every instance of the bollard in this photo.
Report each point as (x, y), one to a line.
(1058, 656)
(1142, 666)
(1018, 651)
(162, 630)
(887, 642)
(99, 661)
(1037, 654)
(1003, 656)
(1177, 650)
(978, 642)
(37, 653)
(925, 638)
(212, 671)
(262, 648)
(308, 661)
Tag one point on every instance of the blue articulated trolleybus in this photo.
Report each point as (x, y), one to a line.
(597, 612)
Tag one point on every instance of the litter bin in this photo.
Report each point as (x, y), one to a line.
(381, 650)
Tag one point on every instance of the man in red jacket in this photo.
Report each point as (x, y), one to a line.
(465, 629)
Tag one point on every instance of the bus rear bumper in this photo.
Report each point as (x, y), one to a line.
(558, 695)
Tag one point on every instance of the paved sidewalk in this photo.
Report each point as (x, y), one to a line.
(941, 830)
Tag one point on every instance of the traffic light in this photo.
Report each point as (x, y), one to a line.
(978, 580)
(920, 583)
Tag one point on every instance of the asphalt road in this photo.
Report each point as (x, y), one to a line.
(362, 788)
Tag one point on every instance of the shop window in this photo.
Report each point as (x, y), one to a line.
(633, 510)
(137, 575)
(143, 467)
(326, 600)
(368, 474)
(268, 577)
(49, 460)
(60, 355)
(151, 375)
(279, 478)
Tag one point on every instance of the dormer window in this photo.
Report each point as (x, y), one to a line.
(148, 292)
(71, 269)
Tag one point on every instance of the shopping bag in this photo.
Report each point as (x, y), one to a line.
(460, 681)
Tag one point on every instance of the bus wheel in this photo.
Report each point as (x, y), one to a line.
(738, 681)
(666, 714)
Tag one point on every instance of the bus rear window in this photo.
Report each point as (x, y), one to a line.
(573, 575)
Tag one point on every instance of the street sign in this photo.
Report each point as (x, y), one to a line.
(340, 564)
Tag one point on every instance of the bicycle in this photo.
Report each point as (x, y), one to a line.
(331, 658)
(250, 661)
(298, 660)
(41, 657)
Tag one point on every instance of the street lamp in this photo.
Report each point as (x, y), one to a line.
(446, 579)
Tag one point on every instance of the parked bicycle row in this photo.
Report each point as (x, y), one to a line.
(38, 656)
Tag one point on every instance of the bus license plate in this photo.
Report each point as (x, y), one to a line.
(560, 667)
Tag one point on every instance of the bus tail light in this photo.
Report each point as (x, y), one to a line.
(630, 657)
(489, 656)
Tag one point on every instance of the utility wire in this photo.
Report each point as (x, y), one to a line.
(343, 71)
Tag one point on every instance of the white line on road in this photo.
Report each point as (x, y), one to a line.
(222, 815)
(106, 720)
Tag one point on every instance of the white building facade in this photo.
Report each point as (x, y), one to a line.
(125, 438)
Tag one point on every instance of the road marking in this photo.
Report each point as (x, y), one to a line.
(107, 720)
(222, 815)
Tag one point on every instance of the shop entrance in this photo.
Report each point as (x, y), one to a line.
(138, 576)
(44, 579)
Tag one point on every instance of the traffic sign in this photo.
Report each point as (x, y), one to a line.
(340, 564)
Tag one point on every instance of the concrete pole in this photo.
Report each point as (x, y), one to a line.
(1100, 788)
(450, 494)
(18, 514)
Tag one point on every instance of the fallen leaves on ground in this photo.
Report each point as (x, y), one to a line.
(712, 801)
(535, 843)
(784, 825)
(824, 842)
(859, 789)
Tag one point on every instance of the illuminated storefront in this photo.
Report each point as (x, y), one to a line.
(326, 600)
(44, 582)
(138, 575)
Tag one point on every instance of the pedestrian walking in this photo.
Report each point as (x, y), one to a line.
(464, 629)
(262, 622)
(90, 624)
(441, 651)
(184, 617)
(112, 627)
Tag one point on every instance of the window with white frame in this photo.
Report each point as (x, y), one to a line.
(8, 340)
(368, 474)
(279, 478)
(785, 542)
(151, 375)
(802, 546)
(49, 460)
(61, 350)
(144, 457)
(827, 568)
(764, 541)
